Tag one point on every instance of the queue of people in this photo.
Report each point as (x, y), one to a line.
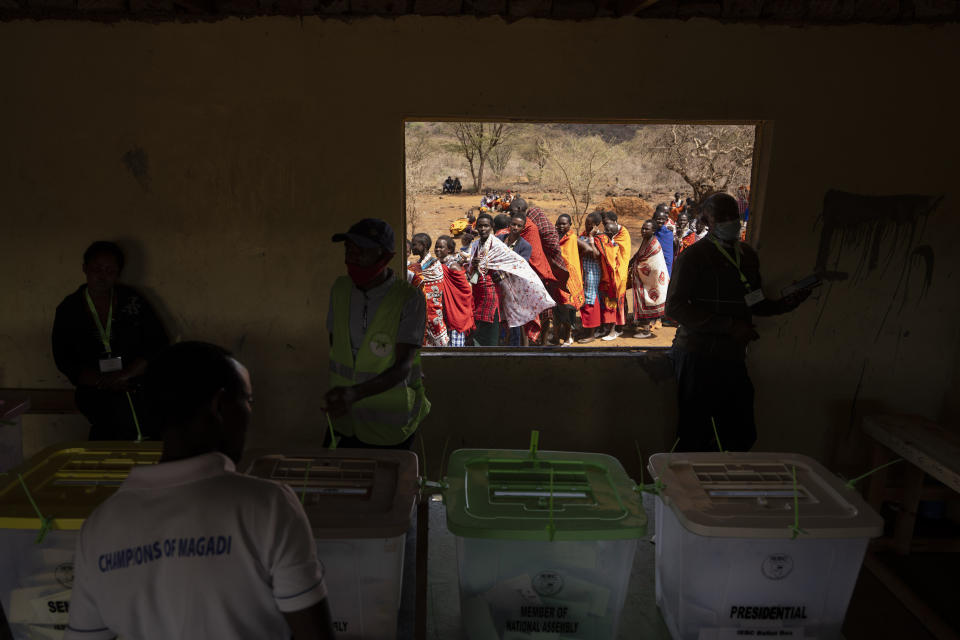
(585, 276)
(494, 201)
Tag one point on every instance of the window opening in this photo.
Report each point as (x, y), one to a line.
(459, 172)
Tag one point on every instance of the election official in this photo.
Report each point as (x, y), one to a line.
(189, 548)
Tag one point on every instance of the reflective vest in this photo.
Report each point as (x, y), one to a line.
(390, 417)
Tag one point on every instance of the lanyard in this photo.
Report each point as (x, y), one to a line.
(735, 263)
(105, 338)
(104, 333)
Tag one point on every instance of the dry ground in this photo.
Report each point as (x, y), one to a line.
(662, 337)
(438, 211)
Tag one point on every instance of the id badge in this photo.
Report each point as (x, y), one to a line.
(754, 297)
(111, 364)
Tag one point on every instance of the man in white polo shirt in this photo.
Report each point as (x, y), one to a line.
(189, 548)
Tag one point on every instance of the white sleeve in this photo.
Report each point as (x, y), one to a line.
(85, 621)
(295, 571)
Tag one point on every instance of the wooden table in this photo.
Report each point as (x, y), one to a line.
(43, 400)
(927, 448)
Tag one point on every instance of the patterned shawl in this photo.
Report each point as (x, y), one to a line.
(522, 294)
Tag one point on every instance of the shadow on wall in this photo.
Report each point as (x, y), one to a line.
(135, 273)
(873, 256)
(878, 232)
(493, 402)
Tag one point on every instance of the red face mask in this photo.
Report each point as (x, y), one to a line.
(362, 276)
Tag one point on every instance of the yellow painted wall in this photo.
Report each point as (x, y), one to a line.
(265, 136)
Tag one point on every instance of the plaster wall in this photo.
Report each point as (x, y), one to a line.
(224, 155)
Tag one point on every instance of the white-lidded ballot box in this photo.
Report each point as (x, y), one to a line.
(63, 484)
(359, 503)
(545, 542)
(756, 545)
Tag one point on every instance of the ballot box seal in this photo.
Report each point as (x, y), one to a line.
(548, 583)
(777, 566)
(64, 574)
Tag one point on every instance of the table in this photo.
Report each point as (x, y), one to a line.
(928, 449)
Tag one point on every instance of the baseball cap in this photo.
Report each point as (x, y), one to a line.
(369, 233)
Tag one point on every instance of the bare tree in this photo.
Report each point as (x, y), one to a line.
(499, 158)
(419, 149)
(581, 163)
(535, 152)
(708, 157)
(476, 141)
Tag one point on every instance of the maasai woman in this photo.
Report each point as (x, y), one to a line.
(522, 296)
(648, 271)
(614, 246)
(590, 262)
(686, 234)
(427, 275)
(572, 299)
(457, 293)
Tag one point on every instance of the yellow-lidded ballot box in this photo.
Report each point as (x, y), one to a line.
(359, 503)
(43, 504)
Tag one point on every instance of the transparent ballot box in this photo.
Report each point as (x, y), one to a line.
(545, 542)
(66, 483)
(756, 545)
(360, 503)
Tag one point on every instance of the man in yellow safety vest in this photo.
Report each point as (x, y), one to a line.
(376, 322)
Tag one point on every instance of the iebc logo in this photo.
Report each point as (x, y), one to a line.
(777, 566)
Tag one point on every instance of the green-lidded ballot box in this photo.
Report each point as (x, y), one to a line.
(545, 542)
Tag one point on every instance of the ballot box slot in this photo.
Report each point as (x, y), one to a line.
(315, 479)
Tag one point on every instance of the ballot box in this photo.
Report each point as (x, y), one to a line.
(545, 542)
(66, 483)
(756, 545)
(360, 504)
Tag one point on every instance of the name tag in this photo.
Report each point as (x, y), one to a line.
(111, 364)
(754, 297)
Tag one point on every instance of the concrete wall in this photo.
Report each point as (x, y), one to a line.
(224, 155)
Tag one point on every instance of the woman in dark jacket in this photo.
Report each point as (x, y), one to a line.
(104, 334)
